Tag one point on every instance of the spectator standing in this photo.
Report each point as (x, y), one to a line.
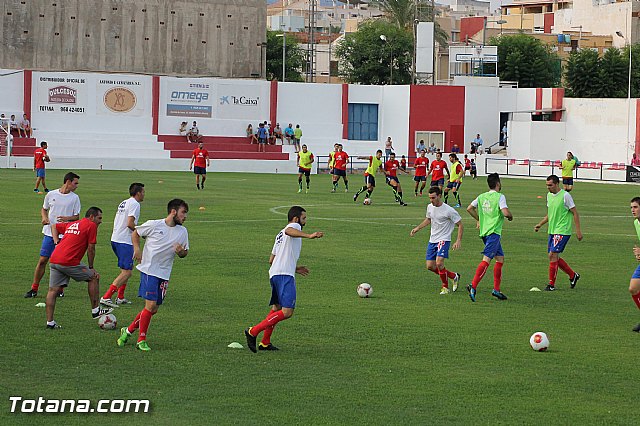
(297, 135)
(503, 135)
(388, 148)
(635, 161)
(262, 135)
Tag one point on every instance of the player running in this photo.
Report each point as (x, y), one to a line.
(340, 169)
(124, 224)
(305, 160)
(455, 180)
(421, 165)
(490, 217)
(561, 215)
(391, 168)
(442, 218)
(634, 285)
(375, 164)
(438, 167)
(284, 266)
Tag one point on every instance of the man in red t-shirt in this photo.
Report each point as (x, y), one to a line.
(39, 158)
(340, 160)
(420, 165)
(391, 168)
(467, 164)
(438, 166)
(66, 262)
(201, 158)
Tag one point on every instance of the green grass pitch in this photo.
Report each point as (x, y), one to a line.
(405, 356)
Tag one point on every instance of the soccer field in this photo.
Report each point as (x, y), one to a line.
(405, 356)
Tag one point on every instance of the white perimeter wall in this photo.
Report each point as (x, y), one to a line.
(12, 93)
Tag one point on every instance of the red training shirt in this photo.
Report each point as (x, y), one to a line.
(77, 237)
(467, 164)
(38, 156)
(200, 157)
(341, 159)
(437, 169)
(421, 165)
(391, 167)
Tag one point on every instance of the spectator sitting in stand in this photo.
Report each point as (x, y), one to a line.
(455, 149)
(277, 133)
(272, 137)
(635, 161)
(432, 148)
(183, 129)
(193, 135)
(250, 135)
(476, 145)
(13, 125)
(421, 147)
(288, 133)
(4, 123)
(25, 126)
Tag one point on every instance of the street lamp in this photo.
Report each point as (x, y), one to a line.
(284, 55)
(619, 34)
(484, 28)
(384, 39)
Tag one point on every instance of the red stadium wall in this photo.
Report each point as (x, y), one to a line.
(437, 108)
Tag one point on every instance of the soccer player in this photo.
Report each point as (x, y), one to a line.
(634, 285)
(474, 169)
(420, 175)
(199, 162)
(331, 163)
(165, 238)
(490, 217)
(455, 180)
(391, 168)
(284, 266)
(39, 158)
(375, 164)
(66, 262)
(124, 224)
(442, 218)
(305, 160)
(561, 215)
(568, 166)
(438, 167)
(340, 169)
(60, 205)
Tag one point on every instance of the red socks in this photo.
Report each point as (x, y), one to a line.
(266, 336)
(145, 319)
(497, 275)
(480, 271)
(120, 291)
(566, 268)
(553, 273)
(271, 320)
(636, 299)
(443, 277)
(451, 275)
(35, 287)
(135, 323)
(112, 289)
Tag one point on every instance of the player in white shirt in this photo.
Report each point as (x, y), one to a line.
(284, 266)
(165, 238)
(124, 224)
(442, 218)
(60, 205)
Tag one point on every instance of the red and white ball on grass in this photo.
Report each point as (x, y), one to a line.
(108, 322)
(539, 341)
(364, 290)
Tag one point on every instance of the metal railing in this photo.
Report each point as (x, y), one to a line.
(595, 171)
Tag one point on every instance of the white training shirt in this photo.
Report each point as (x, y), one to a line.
(286, 250)
(159, 247)
(568, 200)
(121, 232)
(59, 204)
(443, 220)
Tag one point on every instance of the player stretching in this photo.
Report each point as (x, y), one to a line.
(420, 165)
(561, 214)
(442, 218)
(305, 159)
(165, 238)
(455, 180)
(60, 205)
(340, 169)
(634, 285)
(284, 266)
(438, 167)
(375, 164)
(391, 168)
(490, 216)
(66, 262)
(124, 224)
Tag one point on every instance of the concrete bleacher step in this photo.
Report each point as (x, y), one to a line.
(30, 142)
(205, 139)
(75, 152)
(222, 147)
(235, 155)
(217, 146)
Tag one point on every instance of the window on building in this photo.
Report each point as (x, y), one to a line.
(363, 122)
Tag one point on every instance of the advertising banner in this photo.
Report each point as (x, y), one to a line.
(61, 93)
(189, 99)
(120, 95)
(239, 101)
(633, 174)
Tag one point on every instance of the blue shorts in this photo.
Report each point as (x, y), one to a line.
(283, 291)
(370, 180)
(439, 249)
(420, 178)
(567, 181)
(392, 178)
(439, 182)
(492, 246)
(454, 185)
(636, 273)
(47, 246)
(199, 170)
(40, 173)
(557, 243)
(152, 288)
(124, 253)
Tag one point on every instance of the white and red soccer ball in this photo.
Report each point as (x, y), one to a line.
(107, 322)
(539, 341)
(364, 290)
(367, 201)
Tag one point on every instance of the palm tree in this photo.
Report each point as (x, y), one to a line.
(403, 12)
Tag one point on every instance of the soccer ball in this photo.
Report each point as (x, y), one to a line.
(364, 290)
(366, 201)
(539, 341)
(107, 322)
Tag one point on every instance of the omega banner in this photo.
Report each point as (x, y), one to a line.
(61, 93)
(120, 95)
(190, 98)
(633, 174)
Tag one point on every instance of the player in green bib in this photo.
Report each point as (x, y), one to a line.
(490, 209)
(375, 164)
(561, 216)
(568, 165)
(634, 285)
(305, 160)
(455, 180)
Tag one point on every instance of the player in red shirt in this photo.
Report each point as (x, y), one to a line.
(403, 163)
(467, 164)
(421, 165)
(201, 158)
(438, 166)
(340, 160)
(391, 168)
(39, 158)
(66, 262)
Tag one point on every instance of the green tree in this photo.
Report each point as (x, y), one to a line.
(635, 69)
(527, 60)
(367, 59)
(582, 73)
(612, 75)
(294, 58)
(403, 12)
